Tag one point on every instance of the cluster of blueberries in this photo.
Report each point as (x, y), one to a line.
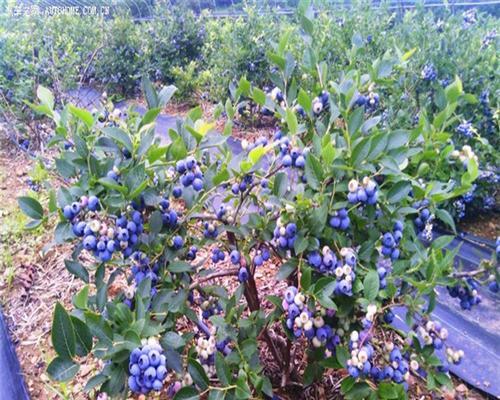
(235, 260)
(209, 306)
(432, 334)
(225, 213)
(369, 101)
(168, 215)
(365, 192)
(466, 129)
(469, 17)
(285, 235)
(469, 196)
(242, 187)
(424, 214)
(142, 269)
(217, 255)
(340, 220)
(261, 256)
(147, 368)
(488, 125)
(300, 320)
(466, 293)
(191, 253)
(362, 361)
(98, 237)
(459, 208)
(429, 73)
(321, 102)
(210, 230)
(290, 156)
(191, 175)
(33, 185)
(206, 349)
(390, 241)
(343, 267)
(384, 267)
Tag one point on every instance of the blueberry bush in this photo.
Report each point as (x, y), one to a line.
(338, 200)
(205, 57)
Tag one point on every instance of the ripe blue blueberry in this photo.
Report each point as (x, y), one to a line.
(235, 257)
(243, 274)
(287, 160)
(177, 192)
(258, 261)
(180, 166)
(197, 184)
(300, 162)
(68, 212)
(143, 361)
(177, 242)
(93, 204)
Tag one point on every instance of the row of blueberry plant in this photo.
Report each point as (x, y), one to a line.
(332, 199)
(203, 56)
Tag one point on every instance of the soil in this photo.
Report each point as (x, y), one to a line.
(38, 279)
(483, 225)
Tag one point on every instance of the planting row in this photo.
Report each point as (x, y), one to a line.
(340, 202)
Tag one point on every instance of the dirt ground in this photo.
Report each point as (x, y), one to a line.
(33, 278)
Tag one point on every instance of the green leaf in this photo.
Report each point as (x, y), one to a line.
(165, 95)
(222, 369)
(300, 244)
(328, 153)
(111, 184)
(387, 390)
(304, 100)
(357, 40)
(95, 381)
(178, 149)
(198, 374)
(62, 370)
(65, 168)
(31, 207)
(396, 139)
(305, 279)
(173, 339)
(454, 90)
(82, 114)
(45, 96)
(371, 285)
(313, 171)
(259, 96)
(80, 299)
(442, 241)
(187, 393)
(83, 337)
(280, 186)
(77, 269)
(178, 267)
(149, 116)
(149, 92)
(446, 217)
(342, 355)
(355, 121)
(398, 191)
(360, 152)
(119, 136)
(155, 222)
(286, 269)
(256, 154)
(291, 121)
(63, 335)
